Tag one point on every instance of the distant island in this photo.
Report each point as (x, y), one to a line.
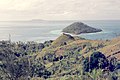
(79, 28)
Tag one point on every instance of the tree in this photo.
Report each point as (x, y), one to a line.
(17, 68)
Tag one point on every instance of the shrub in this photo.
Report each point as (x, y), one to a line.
(98, 60)
(95, 61)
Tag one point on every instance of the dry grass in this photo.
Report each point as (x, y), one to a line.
(107, 47)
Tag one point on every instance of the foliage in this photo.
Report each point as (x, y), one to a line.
(18, 61)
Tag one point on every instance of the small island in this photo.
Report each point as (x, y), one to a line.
(79, 28)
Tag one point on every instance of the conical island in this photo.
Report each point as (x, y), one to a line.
(79, 28)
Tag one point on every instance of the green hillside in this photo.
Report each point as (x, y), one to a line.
(66, 58)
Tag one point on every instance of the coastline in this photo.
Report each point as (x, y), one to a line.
(46, 31)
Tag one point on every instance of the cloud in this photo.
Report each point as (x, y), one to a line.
(59, 9)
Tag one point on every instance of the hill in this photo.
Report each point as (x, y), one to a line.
(66, 43)
(113, 48)
(79, 28)
(63, 40)
(66, 61)
(67, 58)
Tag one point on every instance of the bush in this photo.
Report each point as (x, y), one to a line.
(113, 64)
(97, 60)
(86, 64)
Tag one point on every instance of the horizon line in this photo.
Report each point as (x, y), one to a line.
(61, 20)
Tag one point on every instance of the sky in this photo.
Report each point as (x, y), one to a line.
(59, 9)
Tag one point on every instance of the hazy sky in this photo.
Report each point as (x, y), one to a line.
(59, 9)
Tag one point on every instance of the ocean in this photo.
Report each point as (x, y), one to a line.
(41, 31)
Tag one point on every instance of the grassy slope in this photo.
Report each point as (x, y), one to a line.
(87, 46)
(112, 48)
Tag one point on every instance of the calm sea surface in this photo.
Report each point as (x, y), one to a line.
(50, 30)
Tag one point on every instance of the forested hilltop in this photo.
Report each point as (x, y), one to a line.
(66, 58)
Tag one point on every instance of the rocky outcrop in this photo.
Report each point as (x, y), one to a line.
(79, 28)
